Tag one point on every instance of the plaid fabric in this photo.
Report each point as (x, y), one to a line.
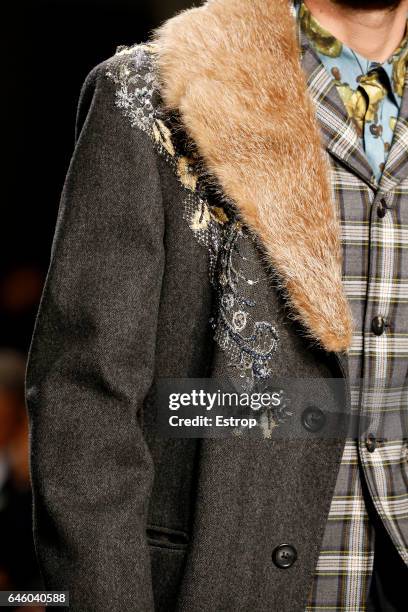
(376, 281)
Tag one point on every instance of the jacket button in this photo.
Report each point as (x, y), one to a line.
(371, 443)
(378, 325)
(313, 419)
(382, 208)
(284, 556)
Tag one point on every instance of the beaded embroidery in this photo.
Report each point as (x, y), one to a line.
(133, 71)
(249, 344)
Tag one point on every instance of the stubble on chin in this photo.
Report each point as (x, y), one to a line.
(369, 5)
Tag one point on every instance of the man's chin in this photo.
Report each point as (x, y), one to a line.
(369, 5)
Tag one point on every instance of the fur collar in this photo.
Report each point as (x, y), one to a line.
(232, 70)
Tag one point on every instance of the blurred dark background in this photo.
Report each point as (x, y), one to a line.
(50, 46)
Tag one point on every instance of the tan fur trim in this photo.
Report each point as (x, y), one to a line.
(232, 70)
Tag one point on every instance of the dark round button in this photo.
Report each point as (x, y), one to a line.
(378, 325)
(371, 443)
(284, 556)
(382, 208)
(313, 419)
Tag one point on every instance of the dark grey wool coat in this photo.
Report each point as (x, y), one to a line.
(158, 271)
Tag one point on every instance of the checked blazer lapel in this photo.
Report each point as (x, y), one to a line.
(396, 167)
(339, 134)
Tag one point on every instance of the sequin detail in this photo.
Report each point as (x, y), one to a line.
(132, 71)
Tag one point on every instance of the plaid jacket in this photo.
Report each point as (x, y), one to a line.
(374, 220)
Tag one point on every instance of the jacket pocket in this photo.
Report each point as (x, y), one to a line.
(168, 555)
(163, 537)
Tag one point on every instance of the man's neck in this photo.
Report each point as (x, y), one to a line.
(375, 34)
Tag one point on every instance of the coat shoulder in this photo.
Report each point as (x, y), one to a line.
(133, 73)
(130, 79)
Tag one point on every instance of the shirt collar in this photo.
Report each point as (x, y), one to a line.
(325, 45)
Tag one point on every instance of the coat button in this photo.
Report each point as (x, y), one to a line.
(284, 556)
(382, 208)
(378, 325)
(371, 443)
(313, 419)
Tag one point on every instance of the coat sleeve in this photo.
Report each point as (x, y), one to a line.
(91, 363)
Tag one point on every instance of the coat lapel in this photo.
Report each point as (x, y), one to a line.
(231, 69)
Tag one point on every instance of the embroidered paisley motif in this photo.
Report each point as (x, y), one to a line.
(250, 343)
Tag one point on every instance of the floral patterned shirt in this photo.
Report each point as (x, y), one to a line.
(371, 91)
